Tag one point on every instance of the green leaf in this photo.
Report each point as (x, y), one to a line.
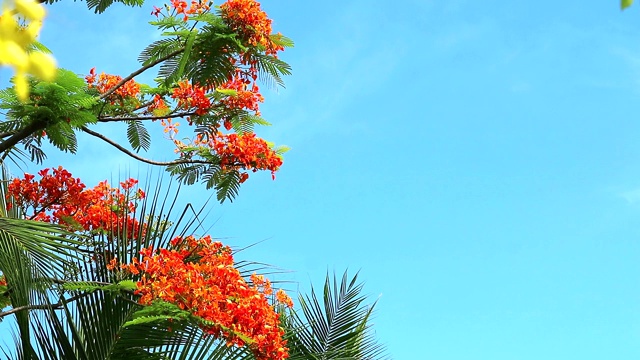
(227, 185)
(169, 22)
(138, 135)
(148, 320)
(228, 92)
(158, 50)
(335, 326)
(191, 37)
(271, 69)
(281, 40)
(281, 149)
(625, 4)
(62, 136)
(101, 5)
(128, 285)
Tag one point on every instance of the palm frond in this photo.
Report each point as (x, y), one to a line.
(334, 327)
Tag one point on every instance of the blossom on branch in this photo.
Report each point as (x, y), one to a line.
(253, 24)
(60, 198)
(191, 97)
(198, 275)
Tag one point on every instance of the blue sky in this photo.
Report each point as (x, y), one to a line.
(477, 162)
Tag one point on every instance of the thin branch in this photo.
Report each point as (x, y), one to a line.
(140, 71)
(62, 282)
(143, 105)
(22, 134)
(138, 157)
(55, 306)
(113, 119)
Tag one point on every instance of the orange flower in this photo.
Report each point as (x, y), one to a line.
(157, 106)
(198, 275)
(197, 7)
(246, 151)
(60, 198)
(253, 25)
(191, 97)
(105, 82)
(244, 98)
(283, 298)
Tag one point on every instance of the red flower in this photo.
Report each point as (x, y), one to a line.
(246, 151)
(253, 25)
(245, 98)
(60, 198)
(191, 97)
(198, 275)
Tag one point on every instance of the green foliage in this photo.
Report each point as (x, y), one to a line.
(625, 4)
(334, 327)
(4, 297)
(138, 135)
(59, 107)
(227, 184)
(271, 69)
(99, 6)
(48, 248)
(281, 150)
(209, 59)
(187, 173)
(88, 286)
(160, 312)
(158, 50)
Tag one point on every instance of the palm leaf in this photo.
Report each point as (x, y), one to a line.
(334, 327)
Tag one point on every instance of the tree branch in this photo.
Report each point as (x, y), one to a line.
(5, 134)
(55, 306)
(113, 119)
(140, 71)
(22, 134)
(140, 158)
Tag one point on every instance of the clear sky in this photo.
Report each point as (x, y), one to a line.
(477, 161)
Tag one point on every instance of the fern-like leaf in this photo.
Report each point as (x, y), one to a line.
(63, 137)
(101, 5)
(271, 69)
(227, 185)
(138, 135)
(158, 50)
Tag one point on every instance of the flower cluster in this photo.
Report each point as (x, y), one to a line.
(245, 97)
(60, 198)
(191, 97)
(180, 6)
(158, 106)
(253, 24)
(198, 275)
(15, 41)
(246, 151)
(105, 82)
